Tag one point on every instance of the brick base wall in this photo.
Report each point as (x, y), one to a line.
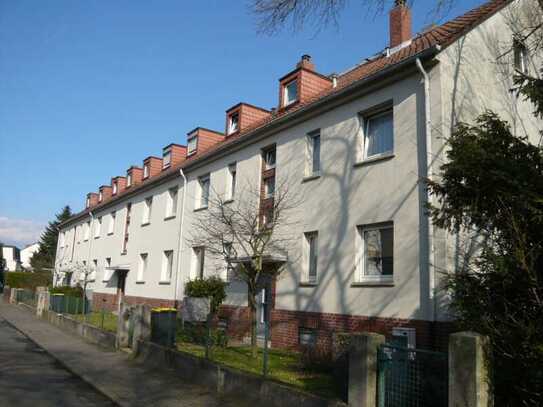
(285, 324)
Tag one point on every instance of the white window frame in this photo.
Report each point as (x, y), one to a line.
(111, 225)
(233, 125)
(269, 153)
(98, 227)
(167, 158)
(146, 170)
(100, 196)
(114, 188)
(310, 168)
(202, 180)
(86, 232)
(198, 262)
(231, 175)
(107, 265)
(172, 196)
(360, 250)
(128, 179)
(147, 210)
(228, 267)
(366, 120)
(311, 259)
(192, 144)
(269, 192)
(520, 56)
(167, 266)
(88, 203)
(143, 262)
(286, 87)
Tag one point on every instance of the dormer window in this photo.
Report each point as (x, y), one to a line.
(88, 202)
(166, 158)
(128, 179)
(114, 187)
(145, 170)
(290, 94)
(192, 145)
(233, 123)
(100, 196)
(520, 54)
(269, 158)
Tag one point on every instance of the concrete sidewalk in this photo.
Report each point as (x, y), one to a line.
(114, 374)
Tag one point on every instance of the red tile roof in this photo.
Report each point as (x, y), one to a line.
(442, 35)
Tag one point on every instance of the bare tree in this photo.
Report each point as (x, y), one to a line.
(250, 236)
(84, 274)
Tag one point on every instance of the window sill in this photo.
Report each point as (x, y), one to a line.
(166, 282)
(228, 201)
(86, 240)
(140, 281)
(311, 177)
(123, 253)
(145, 224)
(201, 208)
(110, 234)
(169, 217)
(308, 284)
(97, 237)
(374, 283)
(371, 160)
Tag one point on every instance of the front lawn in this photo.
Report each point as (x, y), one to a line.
(109, 322)
(284, 366)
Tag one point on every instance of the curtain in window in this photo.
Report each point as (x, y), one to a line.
(379, 135)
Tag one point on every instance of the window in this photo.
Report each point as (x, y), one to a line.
(290, 93)
(171, 203)
(111, 227)
(88, 203)
(520, 55)
(126, 226)
(129, 180)
(114, 187)
(269, 187)
(269, 159)
(311, 257)
(307, 336)
(100, 196)
(98, 227)
(376, 253)
(166, 158)
(233, 123)
(192, 145)
(92, 273)
(228, 268)
(87, 231)
(147, 206)
(198, 256)
(378, 134)
(314, 166)
(167, 265)
(107, 265)
(145, 170)
(204, 190)
(231, 180)
(142, 266)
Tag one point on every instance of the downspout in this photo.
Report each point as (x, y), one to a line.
(428, 199)
(180, 241)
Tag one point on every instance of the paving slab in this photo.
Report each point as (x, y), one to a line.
(114, 374)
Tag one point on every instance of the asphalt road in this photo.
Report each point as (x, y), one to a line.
(30, 377)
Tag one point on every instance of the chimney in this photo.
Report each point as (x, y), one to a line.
(400, 23)
(306, 63)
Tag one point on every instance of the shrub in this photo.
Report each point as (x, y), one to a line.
(67, 291)
(316, 358)
(197, 333)
(28, 280)
(210, 287)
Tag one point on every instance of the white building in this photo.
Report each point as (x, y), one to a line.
(11, 255)
(26, 254)
(356, 146)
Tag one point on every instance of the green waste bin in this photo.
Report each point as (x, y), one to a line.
(163, 326)
(57, 303)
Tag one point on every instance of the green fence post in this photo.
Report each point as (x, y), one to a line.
(265, 352)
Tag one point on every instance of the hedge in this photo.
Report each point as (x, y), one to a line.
(16, 279)
(67, 291)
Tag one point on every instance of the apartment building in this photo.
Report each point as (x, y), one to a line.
(356, 146)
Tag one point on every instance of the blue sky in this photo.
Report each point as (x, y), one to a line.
(89, 88)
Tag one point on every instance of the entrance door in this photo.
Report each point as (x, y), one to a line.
(121, 281)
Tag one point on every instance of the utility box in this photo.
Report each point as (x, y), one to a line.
(57, 303)
(164, 326)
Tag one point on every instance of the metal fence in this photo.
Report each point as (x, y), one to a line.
(29, 297)
(411, 377)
